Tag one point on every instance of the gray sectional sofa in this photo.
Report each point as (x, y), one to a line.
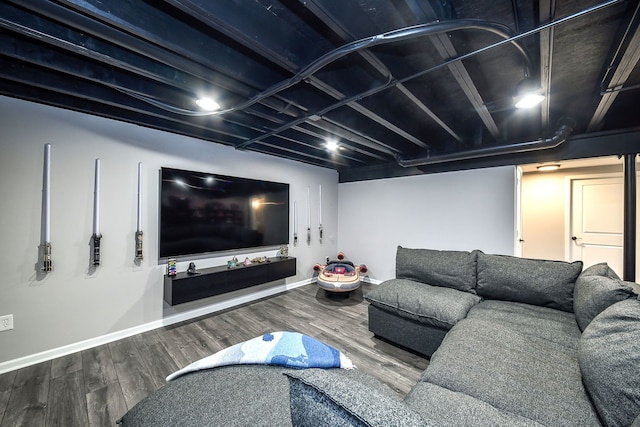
(512, 341)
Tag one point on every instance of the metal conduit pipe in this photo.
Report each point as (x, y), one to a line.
(389, 37)
(412, 32)
(407, 33)
(561, 135)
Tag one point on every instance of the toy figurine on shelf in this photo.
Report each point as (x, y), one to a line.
(232, 263)
(192, 269)
(247, 261)
(171, 267)
(283, 252)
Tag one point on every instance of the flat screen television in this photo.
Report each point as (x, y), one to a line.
(203, 213)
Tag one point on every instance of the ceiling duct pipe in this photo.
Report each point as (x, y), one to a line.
(561, 135)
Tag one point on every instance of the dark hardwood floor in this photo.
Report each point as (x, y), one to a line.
(97, 386)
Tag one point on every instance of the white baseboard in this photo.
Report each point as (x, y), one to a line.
(33, 359)
(372, 281)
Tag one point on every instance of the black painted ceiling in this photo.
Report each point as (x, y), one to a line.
(403, 86)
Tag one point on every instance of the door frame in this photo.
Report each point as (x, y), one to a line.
(517, 244)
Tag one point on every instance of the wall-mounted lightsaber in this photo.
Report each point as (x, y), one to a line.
(96, 216)
(139, 224)
(320, 210)
(47, 264)
(295, 223)
(308, 216)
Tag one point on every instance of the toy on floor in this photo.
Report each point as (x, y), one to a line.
(339, 275)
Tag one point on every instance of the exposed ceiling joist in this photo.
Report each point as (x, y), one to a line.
(208, 14)
(346, 34)
(547, 14)
(388, 79)
(624, 61)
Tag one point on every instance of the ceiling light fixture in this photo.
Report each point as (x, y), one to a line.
(548, 167)
(528, 94)
(207, 104)
(332, 145)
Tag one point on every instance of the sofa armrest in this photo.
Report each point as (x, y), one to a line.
(339, 397)
(430, 305)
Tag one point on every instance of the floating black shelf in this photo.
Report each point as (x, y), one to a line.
(212, 281)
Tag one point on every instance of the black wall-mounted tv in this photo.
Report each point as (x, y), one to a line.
(202, 213)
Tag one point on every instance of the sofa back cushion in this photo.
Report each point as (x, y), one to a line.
(532, 281)
(450, 269)
(609, 359)
(593, 294)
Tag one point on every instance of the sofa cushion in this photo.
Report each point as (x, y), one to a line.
(452, 409)
(431, 305)
(610, 362)
(532, 281)
(593, 294)
(503, 367)
(635, 287)
(450, 269)
(349, 398)
(543, 326)
(600, 269)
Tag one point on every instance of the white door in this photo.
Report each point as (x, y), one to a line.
(597, 218)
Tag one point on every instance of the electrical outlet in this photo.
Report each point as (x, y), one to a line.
(6, 322)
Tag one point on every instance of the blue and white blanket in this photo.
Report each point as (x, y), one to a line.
(288, 349)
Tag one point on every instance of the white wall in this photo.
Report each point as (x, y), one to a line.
(456, 210)
(72, 304)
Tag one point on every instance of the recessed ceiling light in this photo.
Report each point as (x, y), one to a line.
(549, 167)
(207, 104)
